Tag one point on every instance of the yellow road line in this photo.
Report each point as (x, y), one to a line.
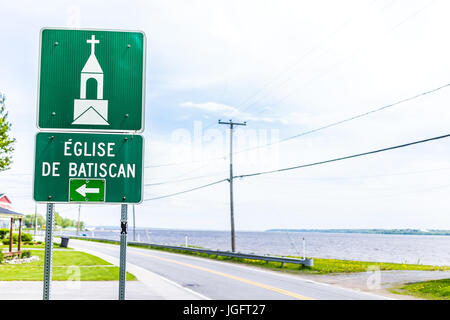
(257, 284)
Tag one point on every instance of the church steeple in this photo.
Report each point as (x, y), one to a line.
(92, 65)
(91, 111)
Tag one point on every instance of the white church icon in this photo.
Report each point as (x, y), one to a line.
(90, 111)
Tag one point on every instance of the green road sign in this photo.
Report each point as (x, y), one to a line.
(82, 167)
(91, 80)
(87, 190)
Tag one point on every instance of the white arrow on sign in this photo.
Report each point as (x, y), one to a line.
(83, 190)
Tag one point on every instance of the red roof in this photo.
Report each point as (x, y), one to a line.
(5, 202)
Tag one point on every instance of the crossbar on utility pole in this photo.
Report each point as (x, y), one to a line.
(232, 124)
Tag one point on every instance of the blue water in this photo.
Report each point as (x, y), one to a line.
(421, 249)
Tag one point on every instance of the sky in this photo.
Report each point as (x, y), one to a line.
(284, 67)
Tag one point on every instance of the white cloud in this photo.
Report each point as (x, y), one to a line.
(225, 111)
(213, 107)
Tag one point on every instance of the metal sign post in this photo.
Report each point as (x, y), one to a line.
(48, 251)
(123, 251)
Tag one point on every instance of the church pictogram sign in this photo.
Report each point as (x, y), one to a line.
(91, 80)
(90, 111)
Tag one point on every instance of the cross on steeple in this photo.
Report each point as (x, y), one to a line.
(93, 42)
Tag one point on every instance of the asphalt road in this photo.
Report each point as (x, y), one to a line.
(209, 279)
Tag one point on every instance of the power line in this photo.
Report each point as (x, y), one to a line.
(339, 62)
(185, 191)
(414, 14)
(278, 75)
(348, 119)
(345, 59)
(316, 129)
(305, 165)
(288, 69)
(291, 67)
(179, 180)
(374, 176)
(342, 158)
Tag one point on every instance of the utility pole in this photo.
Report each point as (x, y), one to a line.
(78, 224)
(232, 124)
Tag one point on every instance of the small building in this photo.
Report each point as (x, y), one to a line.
(5, 202)
(6, 213)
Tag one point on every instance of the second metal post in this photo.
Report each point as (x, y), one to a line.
(123, 251)
(48, 252)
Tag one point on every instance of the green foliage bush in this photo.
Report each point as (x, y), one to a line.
(25, 254)
(1, 257)
(6, 240)
(26, 237)
(3, 233)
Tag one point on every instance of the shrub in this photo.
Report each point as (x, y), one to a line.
(25, 254)
(26, 237)
(6, 240)
(1, 257)
(3, 233)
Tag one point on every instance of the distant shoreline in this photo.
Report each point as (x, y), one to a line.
(430, 232)
(371, 231)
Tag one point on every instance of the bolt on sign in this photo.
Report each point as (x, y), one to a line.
(91, 80)
(88, 167)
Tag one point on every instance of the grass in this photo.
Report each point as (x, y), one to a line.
(432, 290)
(67, 265)
(35, 246)
(335, 266)
(321, 266)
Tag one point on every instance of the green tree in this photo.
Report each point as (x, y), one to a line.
(58, 219)
(66, 222)
(40, 220)
(6, 142)
(29, 220)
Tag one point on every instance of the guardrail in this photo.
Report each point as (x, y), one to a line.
(308, 262)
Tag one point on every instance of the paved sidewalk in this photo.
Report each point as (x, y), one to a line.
(149, 286)
(161, 286)
(80, 290)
